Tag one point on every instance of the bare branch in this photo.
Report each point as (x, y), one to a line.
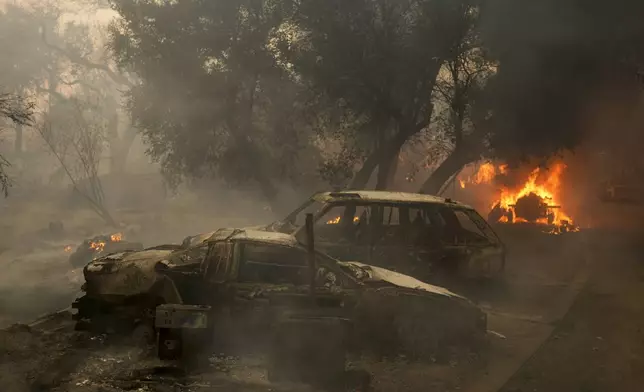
(5, 181)
(81, 83)
(74, 58)
(16, 109)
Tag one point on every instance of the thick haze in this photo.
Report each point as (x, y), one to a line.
(562, 64)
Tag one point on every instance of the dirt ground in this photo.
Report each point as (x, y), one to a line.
(599, 345)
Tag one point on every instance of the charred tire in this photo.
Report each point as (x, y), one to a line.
(170, 344)
(311, 351)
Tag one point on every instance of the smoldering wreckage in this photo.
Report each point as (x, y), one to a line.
(294, 290)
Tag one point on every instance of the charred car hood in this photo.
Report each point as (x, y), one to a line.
(371, 274)
(117, 261)
(123, 274)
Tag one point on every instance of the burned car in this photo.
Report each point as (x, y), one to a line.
(120, 289)
(245, 273)
(229, 287)
(420, 235)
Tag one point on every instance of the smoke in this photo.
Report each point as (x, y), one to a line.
(557, 59)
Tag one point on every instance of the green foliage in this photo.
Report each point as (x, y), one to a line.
(380, 59)
(249, 90)
(240, 88)
(214, 97)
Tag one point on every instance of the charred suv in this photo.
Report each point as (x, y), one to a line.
(234, 291)
(419, 235)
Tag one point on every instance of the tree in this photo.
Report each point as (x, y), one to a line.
(379, 60)
(214, 98)
(75, 134)
(458, 93)
(92, 75)
(16, 109)
(25, 62)
(57, 60)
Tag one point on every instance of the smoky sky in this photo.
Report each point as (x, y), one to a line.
(555, 58)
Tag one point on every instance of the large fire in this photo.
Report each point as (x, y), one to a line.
(536, 200)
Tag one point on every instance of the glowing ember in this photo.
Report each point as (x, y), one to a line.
(97, 246)
(116, 237)
(68, 248)
(336, 220)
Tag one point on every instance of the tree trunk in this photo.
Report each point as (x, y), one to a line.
(386, 172)
(122, 151)
(363, 175)
(18, 144)
(113, 138)
(386, 153)
(383, 174)
(451, 165)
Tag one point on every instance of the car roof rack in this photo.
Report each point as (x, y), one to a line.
(345, 194)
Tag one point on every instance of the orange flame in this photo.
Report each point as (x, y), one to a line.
(544, 184)
(336, 220)
(484, 175)
(97, 246)
(547, 190)
(68, 249)
(116, 237)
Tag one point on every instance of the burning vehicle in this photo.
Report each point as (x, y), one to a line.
(530, 208)
(235, 286)
(420, 235)
(534, 202)
(98, 246)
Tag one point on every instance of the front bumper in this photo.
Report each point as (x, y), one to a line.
(175, 316)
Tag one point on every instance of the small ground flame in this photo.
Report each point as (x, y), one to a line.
(68, 249)
(116, 237)
(97, 246)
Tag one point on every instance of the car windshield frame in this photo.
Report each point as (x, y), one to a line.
(291, 217)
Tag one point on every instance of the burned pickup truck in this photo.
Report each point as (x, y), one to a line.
(121, 287)
(231, 290)
(419, 235)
